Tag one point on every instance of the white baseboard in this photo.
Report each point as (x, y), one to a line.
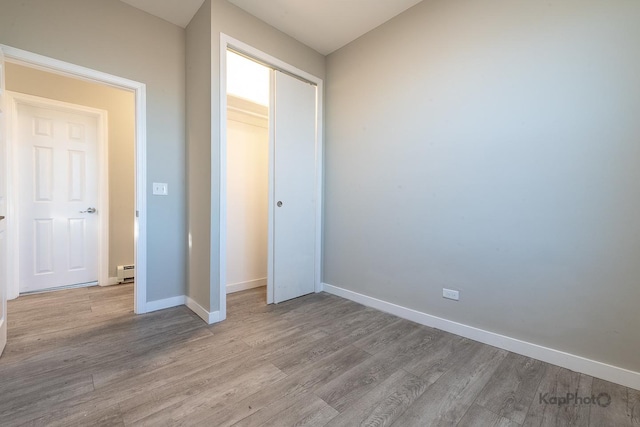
(165, 303)
(3, 337)
(112, 282)
(243, 286)
(209, 317)
(555, 357)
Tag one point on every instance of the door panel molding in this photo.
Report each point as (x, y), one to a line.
(56, 66)
(14, 100)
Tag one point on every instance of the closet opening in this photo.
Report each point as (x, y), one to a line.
(270, 163)
(247, 209)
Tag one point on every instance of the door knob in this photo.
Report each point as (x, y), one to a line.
(279, 204)
(89, 210)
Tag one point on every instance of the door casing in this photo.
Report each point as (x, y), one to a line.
(13, 100)
(3, 205)
(227, 42)
(56, 66)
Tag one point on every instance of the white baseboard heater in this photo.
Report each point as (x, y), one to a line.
(126, 273)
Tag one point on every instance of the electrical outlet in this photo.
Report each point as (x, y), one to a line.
(160, 189)
(450, 294)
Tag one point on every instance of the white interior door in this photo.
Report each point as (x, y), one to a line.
(294, 188)
(3, 211)
(58, 182)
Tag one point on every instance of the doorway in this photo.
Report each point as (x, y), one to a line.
(59, 153)
(138, 90)
(294, 177)
(100, 185)
(248, 87)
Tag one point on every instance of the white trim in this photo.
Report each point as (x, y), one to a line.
(243, 286)
(4, 248)
(573, 362)
(3, 336)
(184, 300)
(166, 303)
(319, 183)
(45, 63)
(13, 100)
(140, 251)
(115, 281)
(227, 42)
(271, 188)
(250, 114)
(65, 68)
(112, 281)
(13, 289)
(103, 175)
(209, 317)
(222, 226)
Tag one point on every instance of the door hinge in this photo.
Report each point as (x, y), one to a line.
(137, 214)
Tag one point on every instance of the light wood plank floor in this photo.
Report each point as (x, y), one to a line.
(80, 357)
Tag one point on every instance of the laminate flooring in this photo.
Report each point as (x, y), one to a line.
(81, 357)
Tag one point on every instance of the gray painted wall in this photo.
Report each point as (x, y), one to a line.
(204, 182)
(198, 151)
(113, 37)
(493, 147)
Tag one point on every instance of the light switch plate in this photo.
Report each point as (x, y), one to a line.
(160, 189)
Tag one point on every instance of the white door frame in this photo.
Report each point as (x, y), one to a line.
(14, 99)
(56, 66)
(228, 42)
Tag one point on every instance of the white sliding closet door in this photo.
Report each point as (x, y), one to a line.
(294, 224)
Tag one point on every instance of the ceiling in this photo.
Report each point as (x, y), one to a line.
(324, 25)
(177, 12)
